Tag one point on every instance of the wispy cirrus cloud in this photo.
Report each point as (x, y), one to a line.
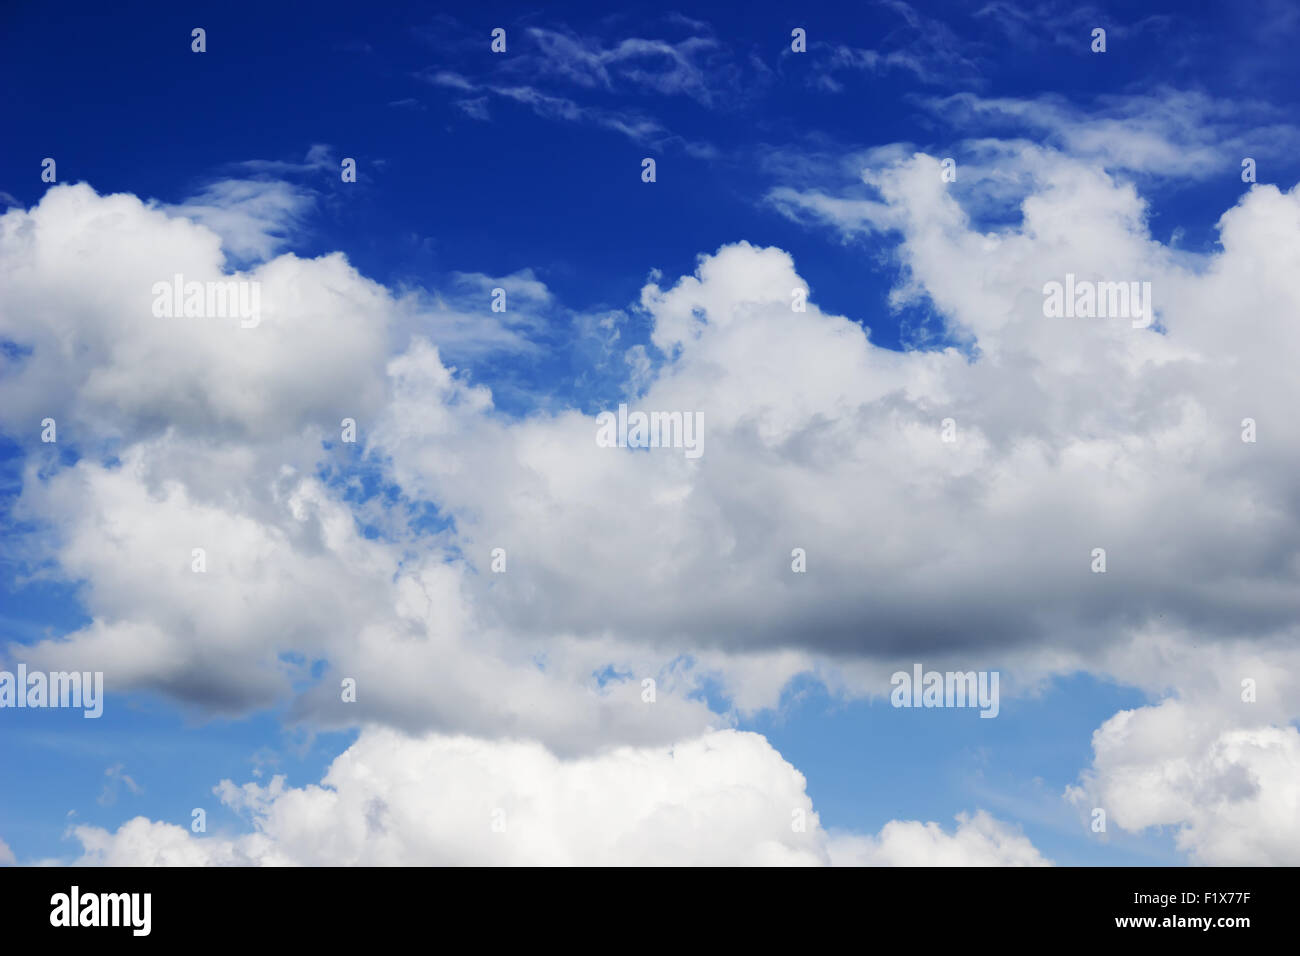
(638, 128)
(923, 46)
(117, 780)
(570, 77)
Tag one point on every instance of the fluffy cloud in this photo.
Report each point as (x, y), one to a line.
(979, 840)
(1232, 794)
(1072, 435)
(198, 433)
(292, 586)
(725, 798)
(78, 275)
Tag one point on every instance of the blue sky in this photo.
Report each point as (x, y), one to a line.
(525, 168)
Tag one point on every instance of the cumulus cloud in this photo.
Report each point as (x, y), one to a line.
(978, 840)
(1231, 793)
(1071, 435)
(218, 447)
(318, 350)
(724, 798)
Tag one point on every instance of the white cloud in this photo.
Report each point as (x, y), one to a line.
(636, 127)
(651, 64)
(1231, 792)
(117, 778)
(815, 439)
(81, 268)
(546, 66)
(253, 217)
(216, 448)
(978, 840)
(724, 798)
(1074, 434)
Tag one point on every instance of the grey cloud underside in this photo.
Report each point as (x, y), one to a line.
(922, 573)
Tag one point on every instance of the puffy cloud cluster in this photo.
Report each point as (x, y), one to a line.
(200, 433)
(1229, 788)
(724, 798)
(78, 277)
(1070, 435)
(978, 840)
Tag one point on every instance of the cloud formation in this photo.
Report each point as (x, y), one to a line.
(722, 799)
(975, 553)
